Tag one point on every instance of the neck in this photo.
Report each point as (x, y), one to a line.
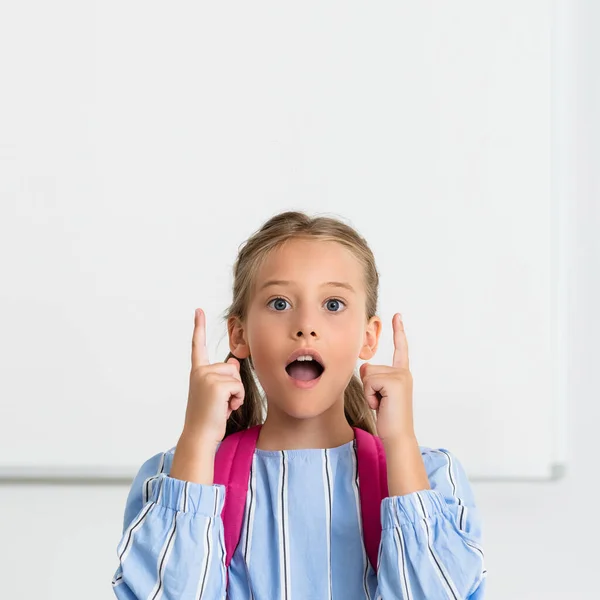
(281, 431)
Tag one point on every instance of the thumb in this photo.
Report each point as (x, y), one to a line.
(232, 360)
(362, 369)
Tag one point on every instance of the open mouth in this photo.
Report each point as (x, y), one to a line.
(305, 369)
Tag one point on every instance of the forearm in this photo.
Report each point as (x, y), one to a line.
(193, 460)
(405, 468)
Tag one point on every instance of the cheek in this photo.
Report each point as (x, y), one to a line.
(262, 349)
(352, 331)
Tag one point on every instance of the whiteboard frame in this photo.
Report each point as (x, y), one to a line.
(563, 140)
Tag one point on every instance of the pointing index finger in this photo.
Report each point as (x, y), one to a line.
(400, 359)
(199, 350)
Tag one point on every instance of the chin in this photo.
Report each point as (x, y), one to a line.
(303, 412)
(302, 403)
(302, 406)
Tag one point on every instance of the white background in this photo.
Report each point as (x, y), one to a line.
(60, 540)
(147, 144)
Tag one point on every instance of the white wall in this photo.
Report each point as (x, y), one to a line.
(59, 540)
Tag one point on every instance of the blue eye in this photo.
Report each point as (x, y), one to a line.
(279, 304)
(279, 300)
(334, 300)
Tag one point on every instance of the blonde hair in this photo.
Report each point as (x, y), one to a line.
(252, 254)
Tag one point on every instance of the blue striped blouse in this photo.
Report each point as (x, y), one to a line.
(301, 537)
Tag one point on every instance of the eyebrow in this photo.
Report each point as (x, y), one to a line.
(340, 284)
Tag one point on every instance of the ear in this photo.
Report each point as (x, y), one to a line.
(238, 345)
(371, 338)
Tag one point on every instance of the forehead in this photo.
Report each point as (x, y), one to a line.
(311, 260)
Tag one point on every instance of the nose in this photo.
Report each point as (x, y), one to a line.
(301, 333)
(305, 323)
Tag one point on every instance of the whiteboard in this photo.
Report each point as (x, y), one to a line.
(132, 169)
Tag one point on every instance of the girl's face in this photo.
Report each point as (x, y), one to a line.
(308, 294)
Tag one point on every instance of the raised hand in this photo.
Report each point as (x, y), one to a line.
(389, 390)
(215, 389)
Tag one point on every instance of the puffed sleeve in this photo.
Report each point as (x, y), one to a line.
(431, 539)
(172, 544)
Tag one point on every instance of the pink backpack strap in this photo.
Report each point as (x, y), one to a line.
(372, 477)
(233, 462)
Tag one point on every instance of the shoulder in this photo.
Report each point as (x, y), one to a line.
(437, 455)
(445, 471)
(440, 458)
(143, 482)
(155, 465)
(158, 464)
(152, 468)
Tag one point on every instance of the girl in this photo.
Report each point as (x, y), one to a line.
(304, 310)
